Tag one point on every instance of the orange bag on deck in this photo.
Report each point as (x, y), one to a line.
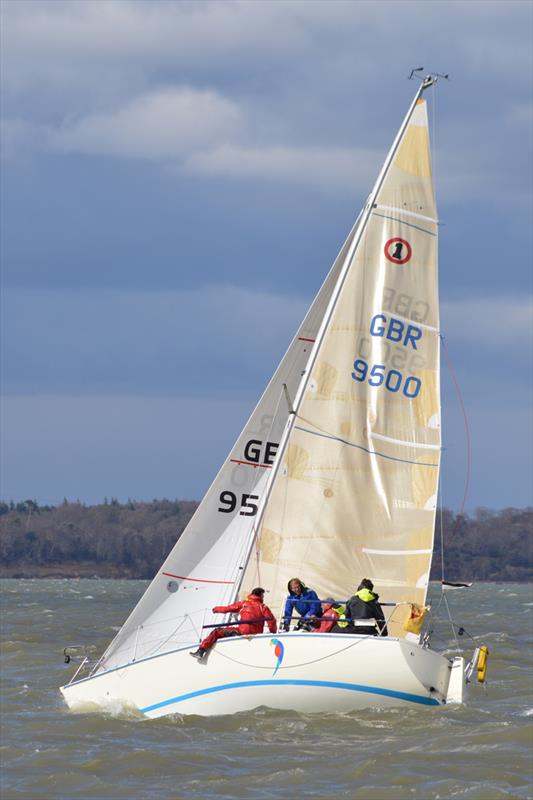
(415, 620)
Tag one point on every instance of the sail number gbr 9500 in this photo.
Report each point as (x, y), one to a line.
(402, 333)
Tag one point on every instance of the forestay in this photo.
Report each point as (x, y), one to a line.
(205, 567)
(356, 490)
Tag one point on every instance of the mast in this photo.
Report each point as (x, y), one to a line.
(294, 406)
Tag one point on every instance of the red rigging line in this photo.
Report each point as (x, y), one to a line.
(196, 580)
(250, 463)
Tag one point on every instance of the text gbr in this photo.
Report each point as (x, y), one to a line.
(402, 333)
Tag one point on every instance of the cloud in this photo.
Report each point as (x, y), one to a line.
(326, 168)
(160, 125)
(198, 132)
(263, 90)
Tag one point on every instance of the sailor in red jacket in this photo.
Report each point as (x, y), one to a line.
(252, 608)
(330, 615)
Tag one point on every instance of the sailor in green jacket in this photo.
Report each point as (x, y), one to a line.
(362, 606)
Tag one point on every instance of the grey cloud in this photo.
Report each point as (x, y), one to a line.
(270, 85)
(327, 168)
(160, 125)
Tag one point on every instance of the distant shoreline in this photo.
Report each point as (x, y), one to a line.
(132, 540)
(69, 570)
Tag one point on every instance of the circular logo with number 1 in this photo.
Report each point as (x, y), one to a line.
(398, 251)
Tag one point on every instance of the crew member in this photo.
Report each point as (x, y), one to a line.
(331, 612)
(363, 606)
(303, 600)
(252, 608)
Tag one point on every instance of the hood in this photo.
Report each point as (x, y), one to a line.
(366, 595)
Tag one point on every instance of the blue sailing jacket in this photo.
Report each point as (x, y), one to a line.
(307, 605)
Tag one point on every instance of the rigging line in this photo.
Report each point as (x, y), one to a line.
(195, 580)
(451, 623)
(403, 222)
(361, 447)
(467, 434)
(442, 596)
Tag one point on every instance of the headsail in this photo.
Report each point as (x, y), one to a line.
(205, 566)
(355, 491)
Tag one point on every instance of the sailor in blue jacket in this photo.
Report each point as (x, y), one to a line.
(303, 600)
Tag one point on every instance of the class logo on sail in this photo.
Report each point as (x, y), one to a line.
(279, 652)
(398, 251)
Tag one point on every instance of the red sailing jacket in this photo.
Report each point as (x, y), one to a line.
(251, 608)
(329, 617)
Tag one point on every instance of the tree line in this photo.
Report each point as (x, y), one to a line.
(131, 540)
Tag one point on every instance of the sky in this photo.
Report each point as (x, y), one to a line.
(178, 177)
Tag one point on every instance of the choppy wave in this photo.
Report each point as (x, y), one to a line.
(479, 750)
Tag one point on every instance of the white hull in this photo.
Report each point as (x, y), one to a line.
(316, 673)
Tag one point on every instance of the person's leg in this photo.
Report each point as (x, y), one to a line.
(209, 641)
(230, 632)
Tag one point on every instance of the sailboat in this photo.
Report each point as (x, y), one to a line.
(334, 477)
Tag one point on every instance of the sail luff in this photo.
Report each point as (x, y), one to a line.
(293, 414)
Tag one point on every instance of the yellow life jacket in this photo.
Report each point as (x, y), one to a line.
(342, 622)
(365, 595)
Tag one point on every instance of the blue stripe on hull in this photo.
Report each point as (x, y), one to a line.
(352, 687)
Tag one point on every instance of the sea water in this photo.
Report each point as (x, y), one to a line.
(482, 749)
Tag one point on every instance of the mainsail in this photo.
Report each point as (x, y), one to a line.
(355, 491)
(205, 567)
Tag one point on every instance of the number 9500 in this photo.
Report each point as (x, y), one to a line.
(392, 379)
